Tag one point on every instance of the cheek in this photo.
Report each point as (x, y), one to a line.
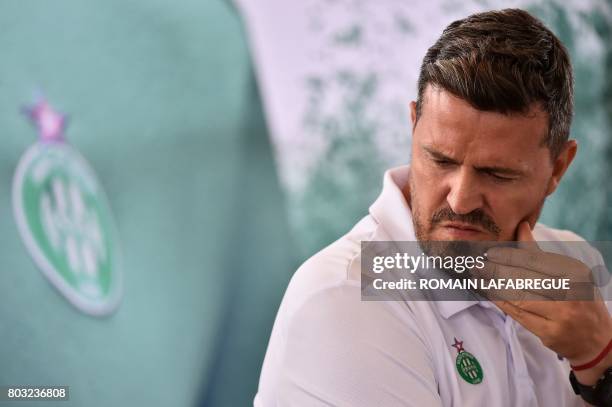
(424, 174)
(511, 207)
(429, 190)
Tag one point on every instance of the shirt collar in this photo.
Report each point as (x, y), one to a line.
(390, 210)
(449, 308)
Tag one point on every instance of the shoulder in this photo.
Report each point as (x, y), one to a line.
(324, 295)
(330, 269)
(328, 344)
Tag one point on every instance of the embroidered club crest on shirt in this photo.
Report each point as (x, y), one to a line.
(467, 365)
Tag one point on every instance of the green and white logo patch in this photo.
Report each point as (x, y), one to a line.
(469, 368)
(66, 224)
(467, 365)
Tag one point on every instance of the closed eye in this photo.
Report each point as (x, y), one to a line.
(442, 162)
(501, 178)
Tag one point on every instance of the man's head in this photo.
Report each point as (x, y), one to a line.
(490, 127)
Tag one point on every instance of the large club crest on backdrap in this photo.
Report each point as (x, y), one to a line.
(64, 217)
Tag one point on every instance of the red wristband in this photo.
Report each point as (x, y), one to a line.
(595, 361)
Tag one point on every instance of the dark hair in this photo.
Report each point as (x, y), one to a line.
(504, 61)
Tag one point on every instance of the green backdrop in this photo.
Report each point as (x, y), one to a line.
(163, 103)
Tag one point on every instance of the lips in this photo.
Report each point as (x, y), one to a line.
(462, 226)
(461, 230)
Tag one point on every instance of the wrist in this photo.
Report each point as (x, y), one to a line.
(597, 340)
(589, 377)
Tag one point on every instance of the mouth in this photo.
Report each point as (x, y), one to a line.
(461, 230)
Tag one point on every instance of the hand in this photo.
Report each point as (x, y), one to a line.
(577, 330)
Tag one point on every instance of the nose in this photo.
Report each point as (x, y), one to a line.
(465, 194)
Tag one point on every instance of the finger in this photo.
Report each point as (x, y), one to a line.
(513, 296)
(536, 261)
(532, 322)
(527, 283)
(545, 309)
(549, 264)
(557, 287)
(576, 292)
(494, 279)
(524, 232)
(525, 237)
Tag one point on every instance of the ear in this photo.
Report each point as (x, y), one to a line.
(561, 164)
(413, 115)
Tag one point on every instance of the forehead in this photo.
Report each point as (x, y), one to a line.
(452, 125)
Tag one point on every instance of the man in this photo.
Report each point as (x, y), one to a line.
(490, 143)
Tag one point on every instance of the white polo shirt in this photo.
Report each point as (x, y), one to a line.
(330, 348)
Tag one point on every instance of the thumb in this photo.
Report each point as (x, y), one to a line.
(525, 235)
(524, 232)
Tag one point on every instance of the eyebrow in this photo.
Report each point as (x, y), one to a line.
(500, 170)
